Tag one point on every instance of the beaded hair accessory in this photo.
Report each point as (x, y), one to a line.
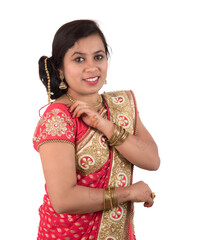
(49, 80)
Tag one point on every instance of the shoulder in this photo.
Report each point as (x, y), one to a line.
(57, 115)
(56, 106)
(119, 96)
(118, 92)
(56, 109)
(56, 124)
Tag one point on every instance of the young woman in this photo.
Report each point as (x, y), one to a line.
(88, 143)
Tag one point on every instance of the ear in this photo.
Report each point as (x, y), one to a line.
(61, 74)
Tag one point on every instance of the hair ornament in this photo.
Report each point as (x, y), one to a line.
(49, 80)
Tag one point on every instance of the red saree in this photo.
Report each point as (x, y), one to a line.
(97, 166)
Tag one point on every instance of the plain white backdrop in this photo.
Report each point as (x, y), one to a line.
(164, 52)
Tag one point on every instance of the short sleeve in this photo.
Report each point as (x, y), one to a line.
(55, 125)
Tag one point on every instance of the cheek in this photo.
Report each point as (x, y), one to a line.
(72, 72)
(104, 67)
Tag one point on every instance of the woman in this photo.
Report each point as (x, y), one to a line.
(88, 143)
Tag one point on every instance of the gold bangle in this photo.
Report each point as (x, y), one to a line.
(109, 191)
(119, 136)
(110, 198)
(114, 197)
(107, 199)
(115, 135)
(122, 139)
(121, 131)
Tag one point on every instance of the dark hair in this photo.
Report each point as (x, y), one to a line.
(65, 38)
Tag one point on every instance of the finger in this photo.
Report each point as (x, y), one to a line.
(76, 104)
(73, 106)
(69, 104)
(80, 109)
(149, 203)
(94, 121)
(75, 110)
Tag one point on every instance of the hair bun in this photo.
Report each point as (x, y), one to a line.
(54, 77)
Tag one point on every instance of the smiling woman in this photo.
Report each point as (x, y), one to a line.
(85, 68)
(89, 143)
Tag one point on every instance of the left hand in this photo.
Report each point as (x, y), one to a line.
(86, 112)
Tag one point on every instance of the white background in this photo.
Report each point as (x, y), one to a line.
(164, 52)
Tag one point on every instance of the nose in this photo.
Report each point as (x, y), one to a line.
(91, 66)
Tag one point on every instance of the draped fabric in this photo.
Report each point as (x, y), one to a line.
(97, 166)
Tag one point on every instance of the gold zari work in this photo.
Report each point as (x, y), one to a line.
(115, 222)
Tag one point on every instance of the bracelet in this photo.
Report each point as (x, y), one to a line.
(116, 141)
(110, 198)
(123, 138)
(107, 199)
(115, 135)
(119, 136)
(114, 197)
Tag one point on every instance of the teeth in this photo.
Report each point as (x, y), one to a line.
(91, 79)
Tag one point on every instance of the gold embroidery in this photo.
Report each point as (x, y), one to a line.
(89, 133)
(133, 107)
(92, 152)
(55, 141)
(92, 156)
(55, 122)
(84, 135)
(121, 173)
(56, 126)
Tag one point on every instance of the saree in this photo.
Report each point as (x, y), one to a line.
(97, 166)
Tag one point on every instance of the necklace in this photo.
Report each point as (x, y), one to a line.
(96, 105)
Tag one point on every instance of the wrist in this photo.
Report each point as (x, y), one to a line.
(124, 194)
(106, 127)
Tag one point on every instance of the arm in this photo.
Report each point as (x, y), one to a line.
(58, 162)
(141, 150)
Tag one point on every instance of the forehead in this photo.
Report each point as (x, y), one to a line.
(88, 45)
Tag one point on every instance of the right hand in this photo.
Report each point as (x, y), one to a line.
(88, 114)
(141, 192)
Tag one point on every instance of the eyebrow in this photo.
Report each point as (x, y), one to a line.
(80, 53)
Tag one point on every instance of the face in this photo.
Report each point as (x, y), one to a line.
(85, 66)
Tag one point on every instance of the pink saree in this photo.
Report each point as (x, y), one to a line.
(97, 166)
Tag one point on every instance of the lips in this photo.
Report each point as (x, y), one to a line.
(91, 80)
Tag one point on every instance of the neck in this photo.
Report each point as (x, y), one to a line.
(91, 99)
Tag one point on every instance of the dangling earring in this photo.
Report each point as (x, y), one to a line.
(62, 85)
(105, 82)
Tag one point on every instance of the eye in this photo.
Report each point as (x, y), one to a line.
(99, 57)
(79, 59)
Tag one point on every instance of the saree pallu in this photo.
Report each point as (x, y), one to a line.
(97, 166)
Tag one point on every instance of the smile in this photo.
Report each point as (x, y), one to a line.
(92, 79)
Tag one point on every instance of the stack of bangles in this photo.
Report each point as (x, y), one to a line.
(110, 195)
(119, 136)
(110, 198)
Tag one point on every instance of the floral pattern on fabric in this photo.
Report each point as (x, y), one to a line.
(55, 125)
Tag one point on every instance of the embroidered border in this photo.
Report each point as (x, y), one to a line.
(119, 102)
(55, 141)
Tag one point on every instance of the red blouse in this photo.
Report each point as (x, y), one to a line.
(57, 125)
